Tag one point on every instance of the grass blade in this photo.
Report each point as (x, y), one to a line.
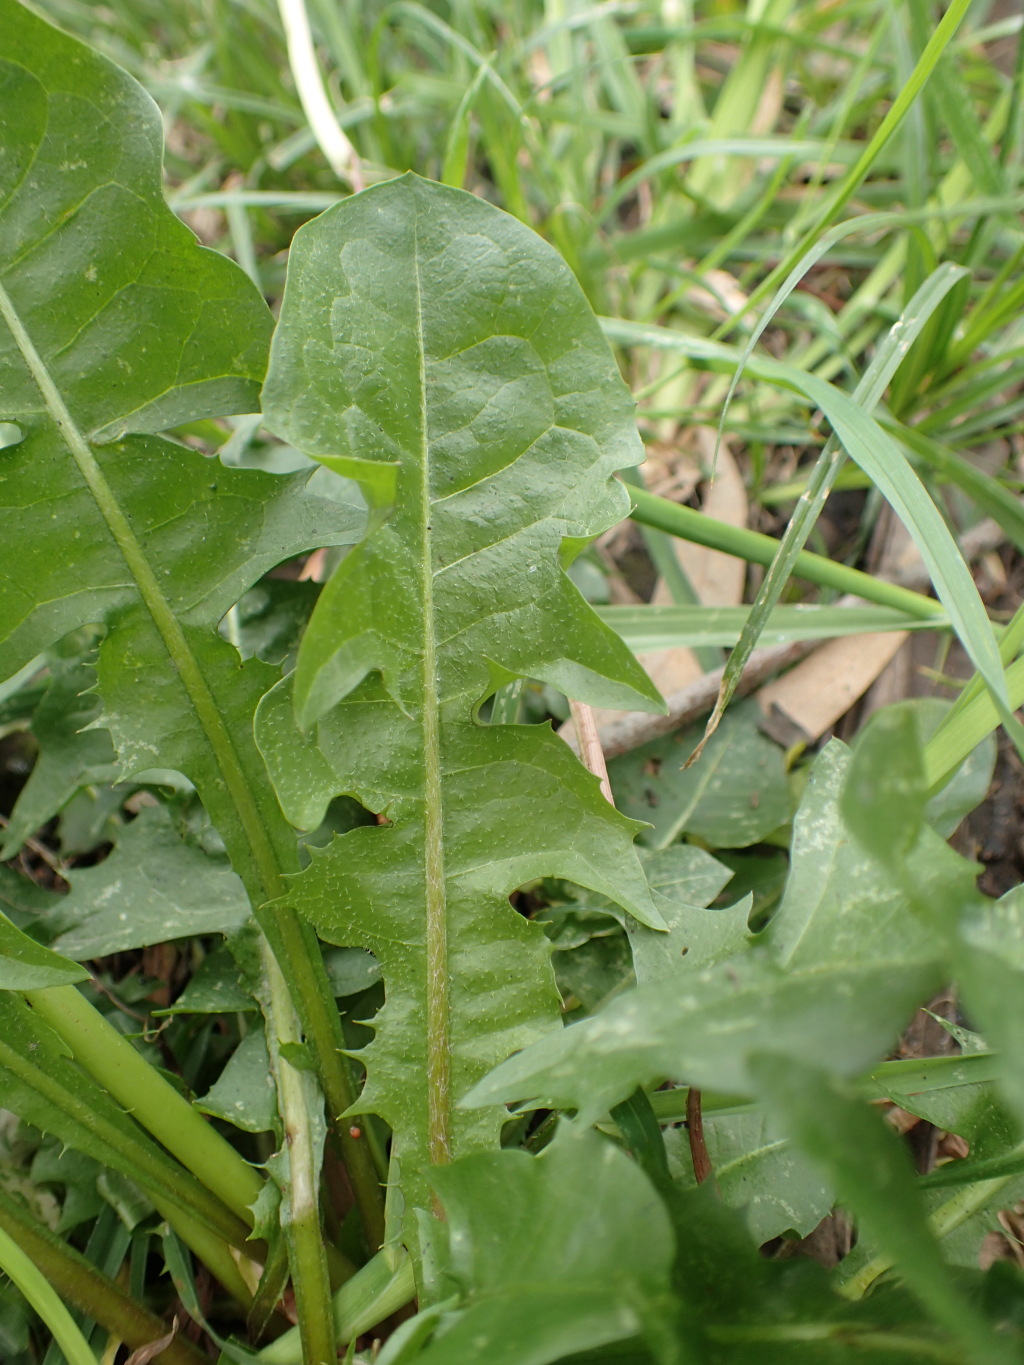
(886, 362)
(657, 627)
(872, 1173)
(45, 1300)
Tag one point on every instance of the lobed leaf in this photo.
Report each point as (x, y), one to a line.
(151, 329)
(829, 983)
(683, 881)
(244, 1093)
(115, 332)
(735, 796)
(152, 888)
(568, 1273)
(442, 355)
(117, 325)
(70, 755)
(850, 1142)
(758, 1172)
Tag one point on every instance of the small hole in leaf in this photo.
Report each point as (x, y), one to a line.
(10, 434)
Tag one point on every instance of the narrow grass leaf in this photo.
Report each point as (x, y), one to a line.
(886, 361)
(993, 497)
(26, 965)
(967, 727)
(873, 1175)
(896, 113)
(880, 457)
(456, 152)
(45, 1300)
(670, 627)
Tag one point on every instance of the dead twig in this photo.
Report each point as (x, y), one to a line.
(695, 1130)
(693, 701)
(590, 745)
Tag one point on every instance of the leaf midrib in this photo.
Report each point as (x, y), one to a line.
(285, 927)
(438, 1002)
(159, 608)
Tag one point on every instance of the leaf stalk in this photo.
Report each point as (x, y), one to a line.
(110, 1058)
(76, 1279)
(264, 880)
(135, 1155)
(756, 548)
(301, 1209)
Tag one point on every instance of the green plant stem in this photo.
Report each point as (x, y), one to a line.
(45, 1300)
(135, 1155)
(301, 1209)
(687, 524)
(294, 942)
(282, 927)
(672, 574)
(380, 1288)
(76, 1279)
(802, 1333)
(945, 1219)
(332, 141)
(110, 1058)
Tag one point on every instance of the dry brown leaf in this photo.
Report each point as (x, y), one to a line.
(810, 698)
(146, 1353)
(717, 579)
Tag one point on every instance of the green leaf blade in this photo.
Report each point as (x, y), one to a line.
(457, 344)
(569, 1271)
(850, 1142)
(169, 333)
(517, 805)
(27, 966)
(152, 329)
(441, 354)
(838, 971)
(151, 889)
